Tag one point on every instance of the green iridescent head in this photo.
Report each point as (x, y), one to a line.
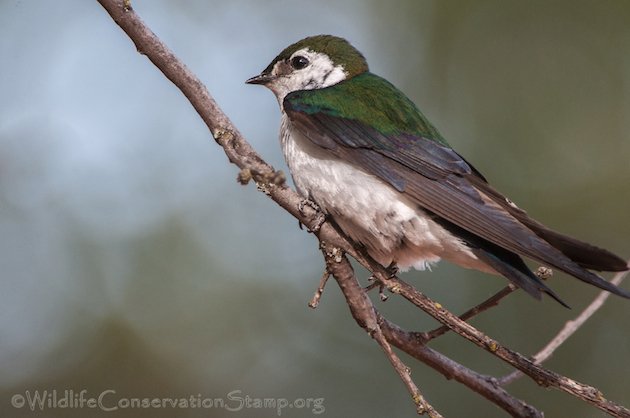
(313, 63)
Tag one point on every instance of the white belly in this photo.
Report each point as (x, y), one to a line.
(387, 223)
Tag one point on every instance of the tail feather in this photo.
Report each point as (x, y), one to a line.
(514, 269)
(584, 254)
(512, 266)
(595, 280)
(581, 256)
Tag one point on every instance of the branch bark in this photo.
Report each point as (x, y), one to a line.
(364, 313)
(474, 311)
(540, 375)
(271, 182)
(567, 331)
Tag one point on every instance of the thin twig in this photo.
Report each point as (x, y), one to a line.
(542, 272)
(320, 289)
(483, 306)
(422, 406)
(540, 375)
(485, 385)
(567, 331)
(364, 313)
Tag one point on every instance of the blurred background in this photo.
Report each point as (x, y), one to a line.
(132, 261)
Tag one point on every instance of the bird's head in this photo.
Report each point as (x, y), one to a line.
(315, 62)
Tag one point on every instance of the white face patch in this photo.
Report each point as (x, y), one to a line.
(320, 72)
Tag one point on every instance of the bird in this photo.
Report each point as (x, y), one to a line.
(361, 151)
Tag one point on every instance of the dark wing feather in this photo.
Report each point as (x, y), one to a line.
(441, 181)
(584, 254)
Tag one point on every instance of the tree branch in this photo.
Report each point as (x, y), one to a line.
(413, 344)
(542, 272)
(271, 182)
(567, 331)
(540, 375)
(474, 311)
(364, 313)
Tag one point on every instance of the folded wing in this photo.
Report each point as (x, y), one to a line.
(427, 170)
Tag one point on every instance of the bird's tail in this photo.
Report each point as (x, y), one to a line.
(514, 269)
(580, 256)
(583, 254)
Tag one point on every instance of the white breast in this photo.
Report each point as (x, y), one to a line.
(391, 226)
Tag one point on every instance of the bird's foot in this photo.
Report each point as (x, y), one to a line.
(320, 217)
(308, 202)
(392, 270)
(374, 282)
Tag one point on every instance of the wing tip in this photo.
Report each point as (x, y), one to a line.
(555, 297)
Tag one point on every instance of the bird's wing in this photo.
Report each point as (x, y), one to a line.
(358, 122)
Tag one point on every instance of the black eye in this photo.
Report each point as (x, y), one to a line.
(299, 62)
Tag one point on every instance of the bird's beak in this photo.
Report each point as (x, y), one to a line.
(261, 79)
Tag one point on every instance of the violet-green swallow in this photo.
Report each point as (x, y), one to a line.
(363, 152)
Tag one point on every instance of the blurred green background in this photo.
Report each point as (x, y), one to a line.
(132, 261)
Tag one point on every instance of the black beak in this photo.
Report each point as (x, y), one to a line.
(260, 79)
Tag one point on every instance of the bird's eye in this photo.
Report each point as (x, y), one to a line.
(299, 62)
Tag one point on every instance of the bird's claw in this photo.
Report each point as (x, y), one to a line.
(308, 202)
(320, 217)
(392, 270)
(374, 282)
